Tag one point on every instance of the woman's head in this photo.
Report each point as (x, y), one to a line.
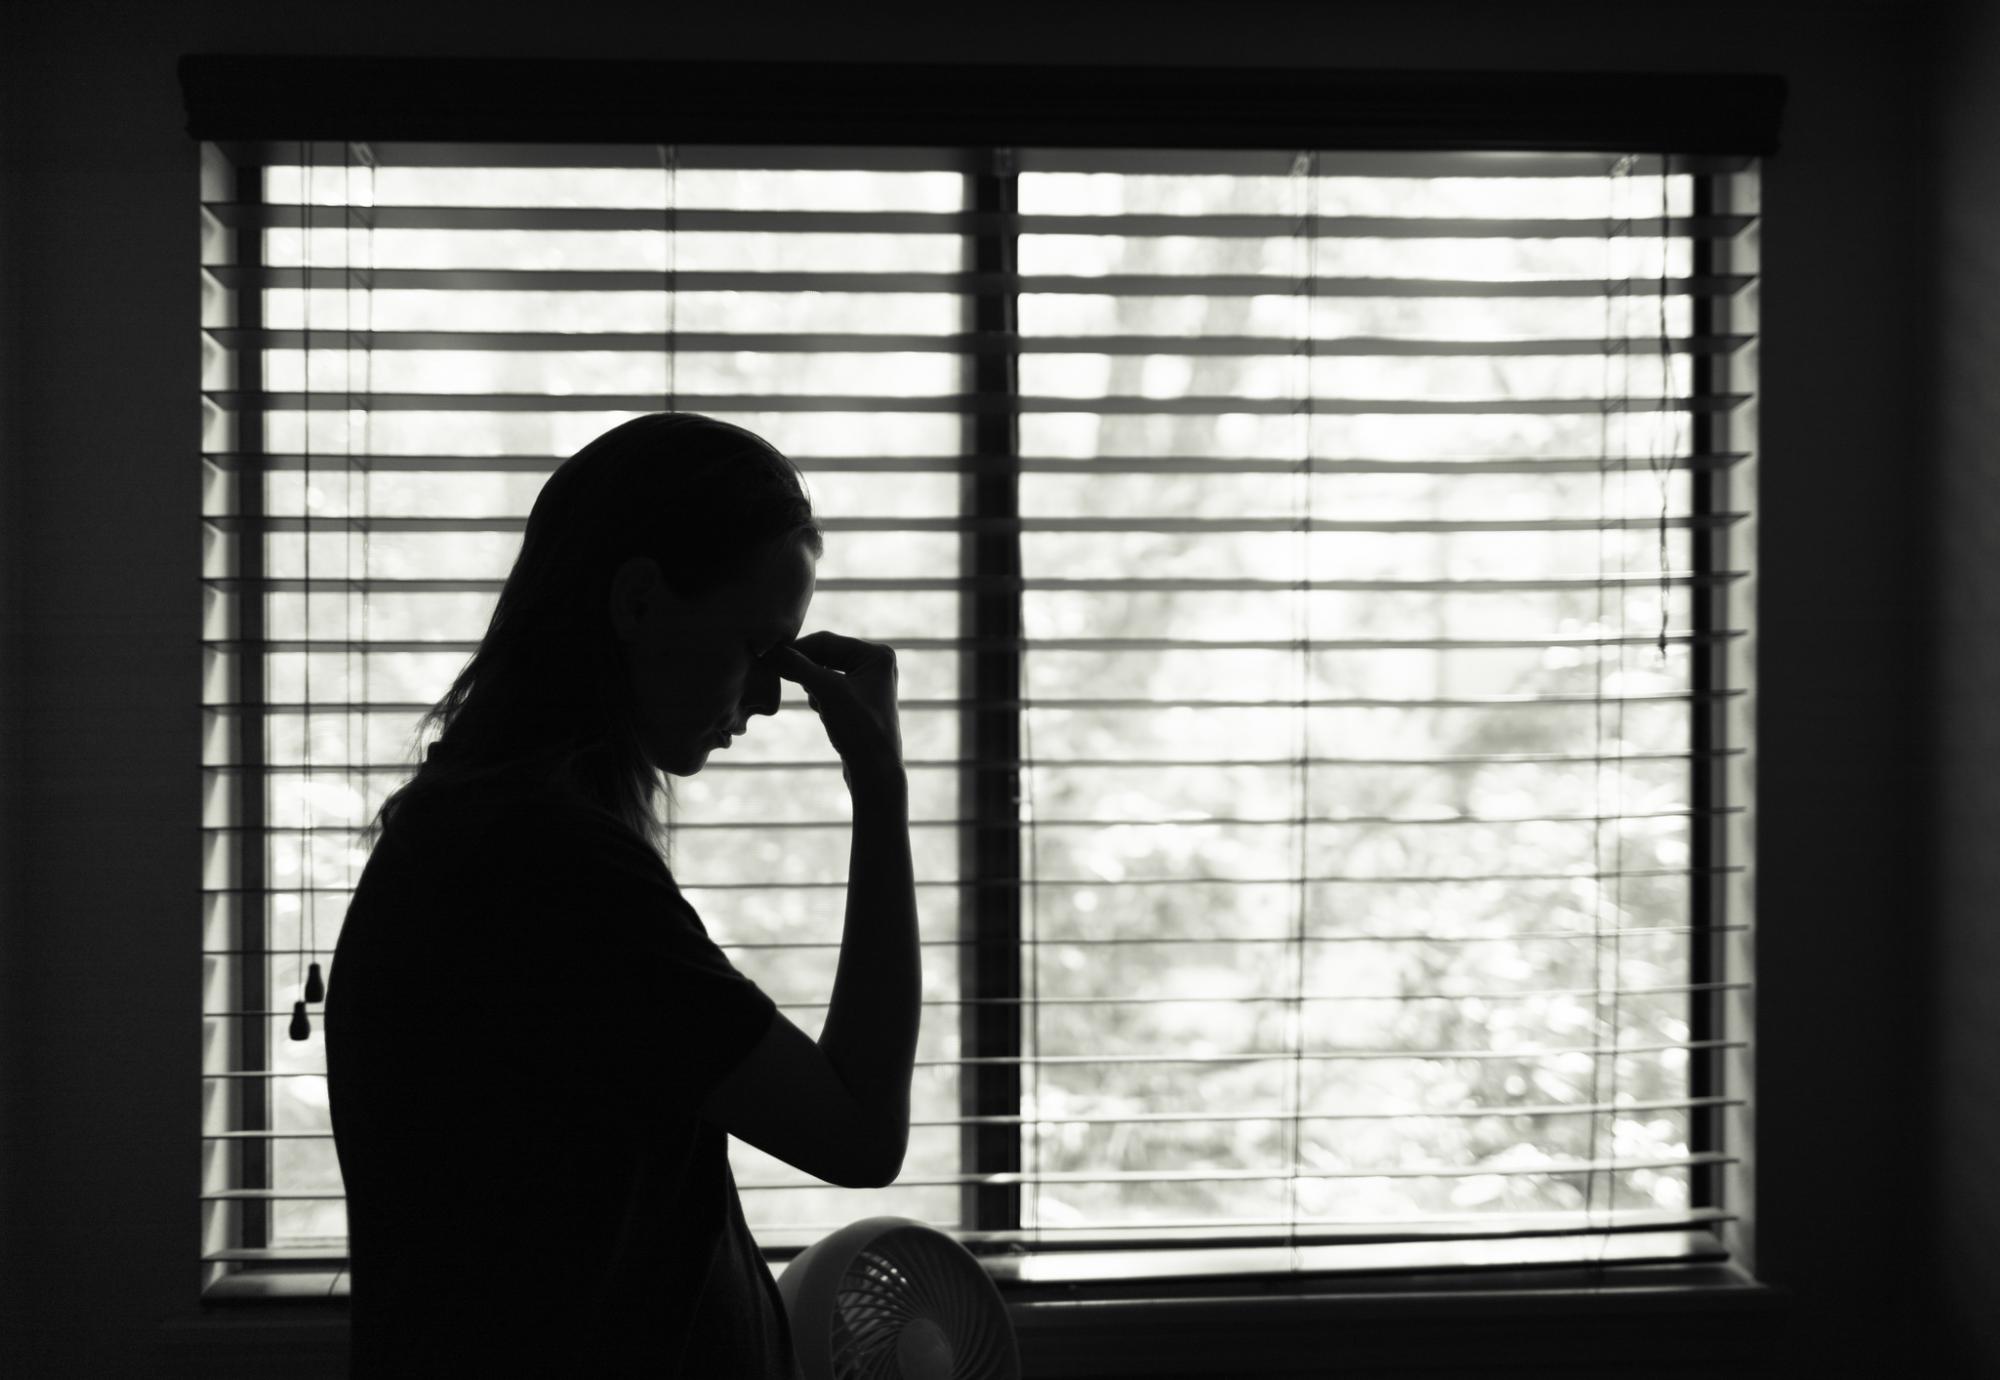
(696, 661)
(656, 561)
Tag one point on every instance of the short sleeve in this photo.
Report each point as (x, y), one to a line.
(616, 951)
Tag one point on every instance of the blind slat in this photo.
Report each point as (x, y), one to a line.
(968, 404)
(1323, 645)
(391, 585)
(965, 464)
(1045, 883)
(1202, 1118)
(293, 216)
(1157, 822)
(1269, 1056)
(982, 342)
(1115, 763)
(1167, 1176)
(1141, 1176)
(1310, 879)
(1090, 942)
(921, 705)
(1087, 942)
(1323, 998)
(280, 522)
(255, 278)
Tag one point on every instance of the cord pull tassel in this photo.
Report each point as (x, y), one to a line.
(301, 1027)
(315, 988)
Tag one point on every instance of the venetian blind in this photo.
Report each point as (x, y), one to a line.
(1321, 582)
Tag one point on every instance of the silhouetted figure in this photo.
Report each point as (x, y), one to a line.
(534, 1050)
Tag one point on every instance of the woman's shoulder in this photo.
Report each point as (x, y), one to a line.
(499, 822)
(522, 823)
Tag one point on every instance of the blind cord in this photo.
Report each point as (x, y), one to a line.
(315, 988)
(669, 156)
(1661, 451)
(670, 160)
(1661, 458)
(301, 1027)
(368, 409)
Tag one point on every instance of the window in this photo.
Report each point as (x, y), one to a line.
(1321, 579)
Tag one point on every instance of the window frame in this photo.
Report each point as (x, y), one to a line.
(991, 619)
(239, 102)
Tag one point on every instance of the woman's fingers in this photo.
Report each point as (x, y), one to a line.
(816, 656)
(794, 665)
(851, 684)
(842, 653)
(801, 670)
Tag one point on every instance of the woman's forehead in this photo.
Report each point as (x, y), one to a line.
(779, 589)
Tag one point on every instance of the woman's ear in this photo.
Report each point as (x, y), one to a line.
(634, 586)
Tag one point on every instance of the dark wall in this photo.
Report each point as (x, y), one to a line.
(1959, 722)
(13, 643)
(100, 559)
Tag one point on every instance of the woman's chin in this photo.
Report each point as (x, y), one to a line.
(692, 760)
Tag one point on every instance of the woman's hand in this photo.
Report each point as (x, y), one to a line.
(851, 685)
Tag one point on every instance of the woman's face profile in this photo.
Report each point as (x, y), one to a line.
(696, 677)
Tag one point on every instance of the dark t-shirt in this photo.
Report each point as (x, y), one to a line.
(523, 1016)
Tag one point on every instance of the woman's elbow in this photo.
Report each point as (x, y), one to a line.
(887, 1166)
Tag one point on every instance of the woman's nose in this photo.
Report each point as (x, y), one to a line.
(762, 691)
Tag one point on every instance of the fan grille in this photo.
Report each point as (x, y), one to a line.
(907, 1277)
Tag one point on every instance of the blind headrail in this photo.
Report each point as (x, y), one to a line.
(249, 97)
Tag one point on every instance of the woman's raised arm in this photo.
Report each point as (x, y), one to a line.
(778, 1098)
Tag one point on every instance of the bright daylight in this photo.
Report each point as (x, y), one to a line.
(1355, 804)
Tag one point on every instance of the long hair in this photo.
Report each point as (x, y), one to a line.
(548, 692)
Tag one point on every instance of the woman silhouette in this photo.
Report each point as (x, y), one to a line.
(533, 1048)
